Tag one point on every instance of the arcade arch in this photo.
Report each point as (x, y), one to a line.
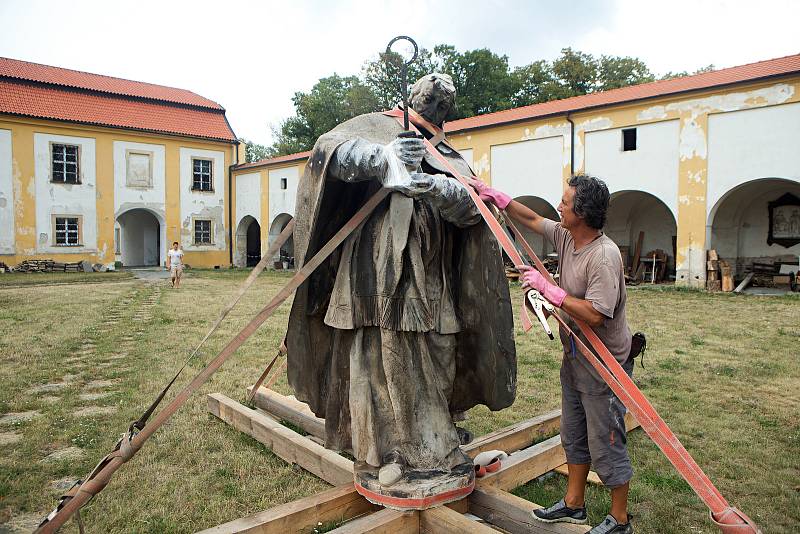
(141, 238)
(248, 242)
(286, 253)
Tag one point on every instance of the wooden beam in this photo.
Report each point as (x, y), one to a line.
(336, 504)
(385, 521)
(284, 442)
(525, 465)
(289, 409)
(514, 514)
(517, 436)
(591, 479)
(443, 519)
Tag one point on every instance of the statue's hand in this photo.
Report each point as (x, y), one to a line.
(409, 150)
(420, 185)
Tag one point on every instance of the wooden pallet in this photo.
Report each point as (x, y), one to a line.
(498, 510)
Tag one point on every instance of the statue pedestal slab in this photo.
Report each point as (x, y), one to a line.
(418, 489)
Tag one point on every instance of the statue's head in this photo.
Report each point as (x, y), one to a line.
(433, 96)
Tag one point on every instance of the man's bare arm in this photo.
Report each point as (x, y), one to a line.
(525, 216)
(583, 310)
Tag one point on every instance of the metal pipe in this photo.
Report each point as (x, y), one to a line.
(571, 146)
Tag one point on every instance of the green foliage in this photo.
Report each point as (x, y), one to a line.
(254, 152)
(484, 82)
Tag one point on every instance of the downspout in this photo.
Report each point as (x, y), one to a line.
(571, 146)
(230, 201)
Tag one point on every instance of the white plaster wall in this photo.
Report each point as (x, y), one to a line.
(206, 204)
(66, 199)
(753, 143)
(152, 199)
(532, 167)
(7, 232)
(652, 167)
(282, 200)
(248, 196)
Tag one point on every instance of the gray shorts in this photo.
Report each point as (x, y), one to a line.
(593, 432)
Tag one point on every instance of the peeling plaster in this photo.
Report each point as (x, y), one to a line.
(652, 113)
(595, 123)
(692, 140)
(482, 165)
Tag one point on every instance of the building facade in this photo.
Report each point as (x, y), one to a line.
(104, 169)
(693, 163)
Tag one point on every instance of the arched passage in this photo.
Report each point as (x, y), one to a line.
(247, 252)
(738, 224)
(286, 254)
(537, 242)
(632, 212)
(140, 238)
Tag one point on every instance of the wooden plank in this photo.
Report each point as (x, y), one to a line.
(284, 442)
(525, 465)
(385, 521)
(744, 283)
(336, 504)
(712, 255)
(290, 409)
(517, 436)
(637, 253)
(443, 519)
(514, 514)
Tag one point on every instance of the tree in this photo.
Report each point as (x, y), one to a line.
(614, 72)
(254, 152)
(382, 75)
(482, 79)
(331, 101)
(534, 84)
(670, 75)
(576, 73)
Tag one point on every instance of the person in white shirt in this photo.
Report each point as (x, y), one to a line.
(175, 263)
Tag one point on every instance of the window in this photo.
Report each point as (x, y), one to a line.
(64, 163)
(202, 232)
(629, 139)
(138, 169)
(284, 183)
(201, 175)
(68, 230)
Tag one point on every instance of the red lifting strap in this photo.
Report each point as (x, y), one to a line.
(727, 518)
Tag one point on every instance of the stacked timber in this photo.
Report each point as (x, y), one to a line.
(713, 281)
(47, 266)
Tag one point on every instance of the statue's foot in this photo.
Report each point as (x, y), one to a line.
(392, 469)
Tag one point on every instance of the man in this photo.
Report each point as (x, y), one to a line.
(592, 288)
(409, 323)
(175, 264)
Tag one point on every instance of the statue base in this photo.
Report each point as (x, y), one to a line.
(418, 489)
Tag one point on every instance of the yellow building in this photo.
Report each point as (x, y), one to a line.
(105, 169)
(700, 162)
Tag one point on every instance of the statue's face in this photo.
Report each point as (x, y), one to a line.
(432, 104)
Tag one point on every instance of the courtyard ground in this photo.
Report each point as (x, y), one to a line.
(80, 361)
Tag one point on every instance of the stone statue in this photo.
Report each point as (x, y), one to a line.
(409, 323)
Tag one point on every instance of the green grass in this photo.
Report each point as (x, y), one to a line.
(29, 279)
(721, 369)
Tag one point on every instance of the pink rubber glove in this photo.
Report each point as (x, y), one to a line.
(532, 279)
(488, 194)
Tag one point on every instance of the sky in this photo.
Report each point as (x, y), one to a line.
(251, 57)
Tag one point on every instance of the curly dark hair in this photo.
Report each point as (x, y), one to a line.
(591, 199)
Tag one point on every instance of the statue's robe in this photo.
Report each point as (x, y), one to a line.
(408, 322)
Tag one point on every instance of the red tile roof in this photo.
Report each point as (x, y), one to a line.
(35, 72)
(40, 91)
(751, 72)
(278, 159)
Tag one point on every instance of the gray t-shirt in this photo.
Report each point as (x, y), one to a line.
(593, 273)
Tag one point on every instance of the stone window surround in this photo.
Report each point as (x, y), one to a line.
(50, 145)
(56, 216)
(210, 222)
(150, 155)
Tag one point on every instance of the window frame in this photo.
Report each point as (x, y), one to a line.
(150, 156)
(210, 175)
(54, 224)
(210, 222)
(635, 139)
(78, 166)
